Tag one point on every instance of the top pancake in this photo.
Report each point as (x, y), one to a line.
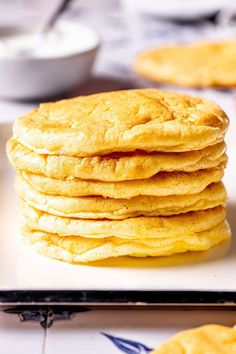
(122, 121)
(199, 64)
(213, 339)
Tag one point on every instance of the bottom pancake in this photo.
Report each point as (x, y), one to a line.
(75, 249)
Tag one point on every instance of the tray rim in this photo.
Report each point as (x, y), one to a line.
(119, 298)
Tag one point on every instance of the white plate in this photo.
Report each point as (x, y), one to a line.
(21, 269)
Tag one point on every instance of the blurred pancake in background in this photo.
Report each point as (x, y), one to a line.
(207, 64)
(208, 339)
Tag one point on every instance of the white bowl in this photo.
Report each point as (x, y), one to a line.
(176, 9)
(32, 77)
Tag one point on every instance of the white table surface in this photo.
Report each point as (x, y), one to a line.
(82, 334)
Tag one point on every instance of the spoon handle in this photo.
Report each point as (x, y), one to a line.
(62, 6)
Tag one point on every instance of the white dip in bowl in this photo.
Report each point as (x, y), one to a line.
(41, 66)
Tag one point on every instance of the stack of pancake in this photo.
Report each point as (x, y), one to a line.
(134, 172)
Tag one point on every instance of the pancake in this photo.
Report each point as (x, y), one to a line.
(209, 339)
(80, 249)
(139, 227)
(121, 121)
(198, 64)
(100, 207)
(163, 184)
(114, 167)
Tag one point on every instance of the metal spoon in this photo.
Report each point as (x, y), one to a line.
(45, 28)
(51, 19)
